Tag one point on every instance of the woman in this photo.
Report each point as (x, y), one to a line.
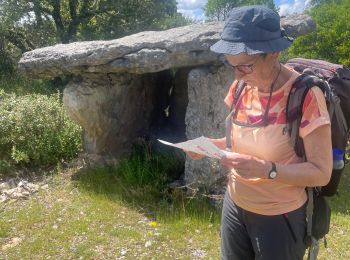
(263, 213)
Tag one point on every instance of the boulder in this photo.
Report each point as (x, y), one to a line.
(113, 110)
(206, 113)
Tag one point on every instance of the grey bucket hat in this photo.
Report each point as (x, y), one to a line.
(252, 29)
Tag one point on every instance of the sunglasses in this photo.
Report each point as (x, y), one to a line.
(243, 68)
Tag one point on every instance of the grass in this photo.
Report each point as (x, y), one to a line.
(339, 237)
(101, 215)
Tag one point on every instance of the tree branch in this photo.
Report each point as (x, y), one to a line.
(18, 39)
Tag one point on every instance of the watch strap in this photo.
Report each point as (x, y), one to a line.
(273, 171)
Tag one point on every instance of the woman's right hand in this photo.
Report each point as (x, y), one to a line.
(194, 156)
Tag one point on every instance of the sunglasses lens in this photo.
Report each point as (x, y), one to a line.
(244, 69)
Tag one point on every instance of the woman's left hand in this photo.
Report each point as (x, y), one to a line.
(247, 166)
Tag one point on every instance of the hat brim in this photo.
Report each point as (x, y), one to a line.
(235, 48)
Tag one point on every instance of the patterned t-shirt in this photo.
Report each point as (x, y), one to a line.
(271, 143)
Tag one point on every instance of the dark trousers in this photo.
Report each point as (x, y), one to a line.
(246, 235)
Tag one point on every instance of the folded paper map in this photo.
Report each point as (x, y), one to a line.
(200, 145)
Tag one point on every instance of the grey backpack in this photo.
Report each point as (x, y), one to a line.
(334, 81)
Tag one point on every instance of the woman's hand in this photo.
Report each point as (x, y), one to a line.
(248, 167)
(194, 156)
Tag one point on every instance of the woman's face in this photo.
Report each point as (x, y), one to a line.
(251, 68)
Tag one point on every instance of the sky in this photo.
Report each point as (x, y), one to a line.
(193, 8)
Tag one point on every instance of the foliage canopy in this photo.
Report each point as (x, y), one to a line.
(219, 9)
(331, 40)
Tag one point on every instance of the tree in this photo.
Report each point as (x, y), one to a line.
(26, 25)
(331, 40)
(314, 3)
(176, 20)
(269, 3)
(219, 9)
(131, 16)
(70, 18)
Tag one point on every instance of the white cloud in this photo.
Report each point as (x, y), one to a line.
(296, 6)
(192, 8)
(196, 14)
(190, 4)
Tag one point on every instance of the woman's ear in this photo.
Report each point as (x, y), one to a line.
(275, 54)
(278, 54)
(272, 57)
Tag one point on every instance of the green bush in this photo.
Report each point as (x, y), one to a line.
(35, 131)
(20, 85)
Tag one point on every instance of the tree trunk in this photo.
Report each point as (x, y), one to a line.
(75, 21)
(56, 14)
(37, 13)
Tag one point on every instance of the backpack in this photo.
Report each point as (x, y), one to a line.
(334, 81)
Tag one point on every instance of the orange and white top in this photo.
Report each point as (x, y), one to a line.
(265, 196)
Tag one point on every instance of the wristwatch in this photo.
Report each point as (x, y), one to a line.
(273, 171)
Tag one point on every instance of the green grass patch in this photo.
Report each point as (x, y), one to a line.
(338, 239)
(104, 214)
(141, 183)
(108, 213)
(72, 221)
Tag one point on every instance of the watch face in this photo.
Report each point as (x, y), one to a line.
(273, 174)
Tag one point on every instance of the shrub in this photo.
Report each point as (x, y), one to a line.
(21, 85)
(35, 131)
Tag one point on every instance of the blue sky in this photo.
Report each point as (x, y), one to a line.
(193, 8)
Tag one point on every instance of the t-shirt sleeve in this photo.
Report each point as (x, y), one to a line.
(229, 97)
(315, 113)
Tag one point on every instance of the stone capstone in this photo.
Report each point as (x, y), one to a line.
(144, 52)
(297, 24)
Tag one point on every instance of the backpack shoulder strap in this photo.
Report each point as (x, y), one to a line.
(228, 122)
(237, 93)
(294, 107)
